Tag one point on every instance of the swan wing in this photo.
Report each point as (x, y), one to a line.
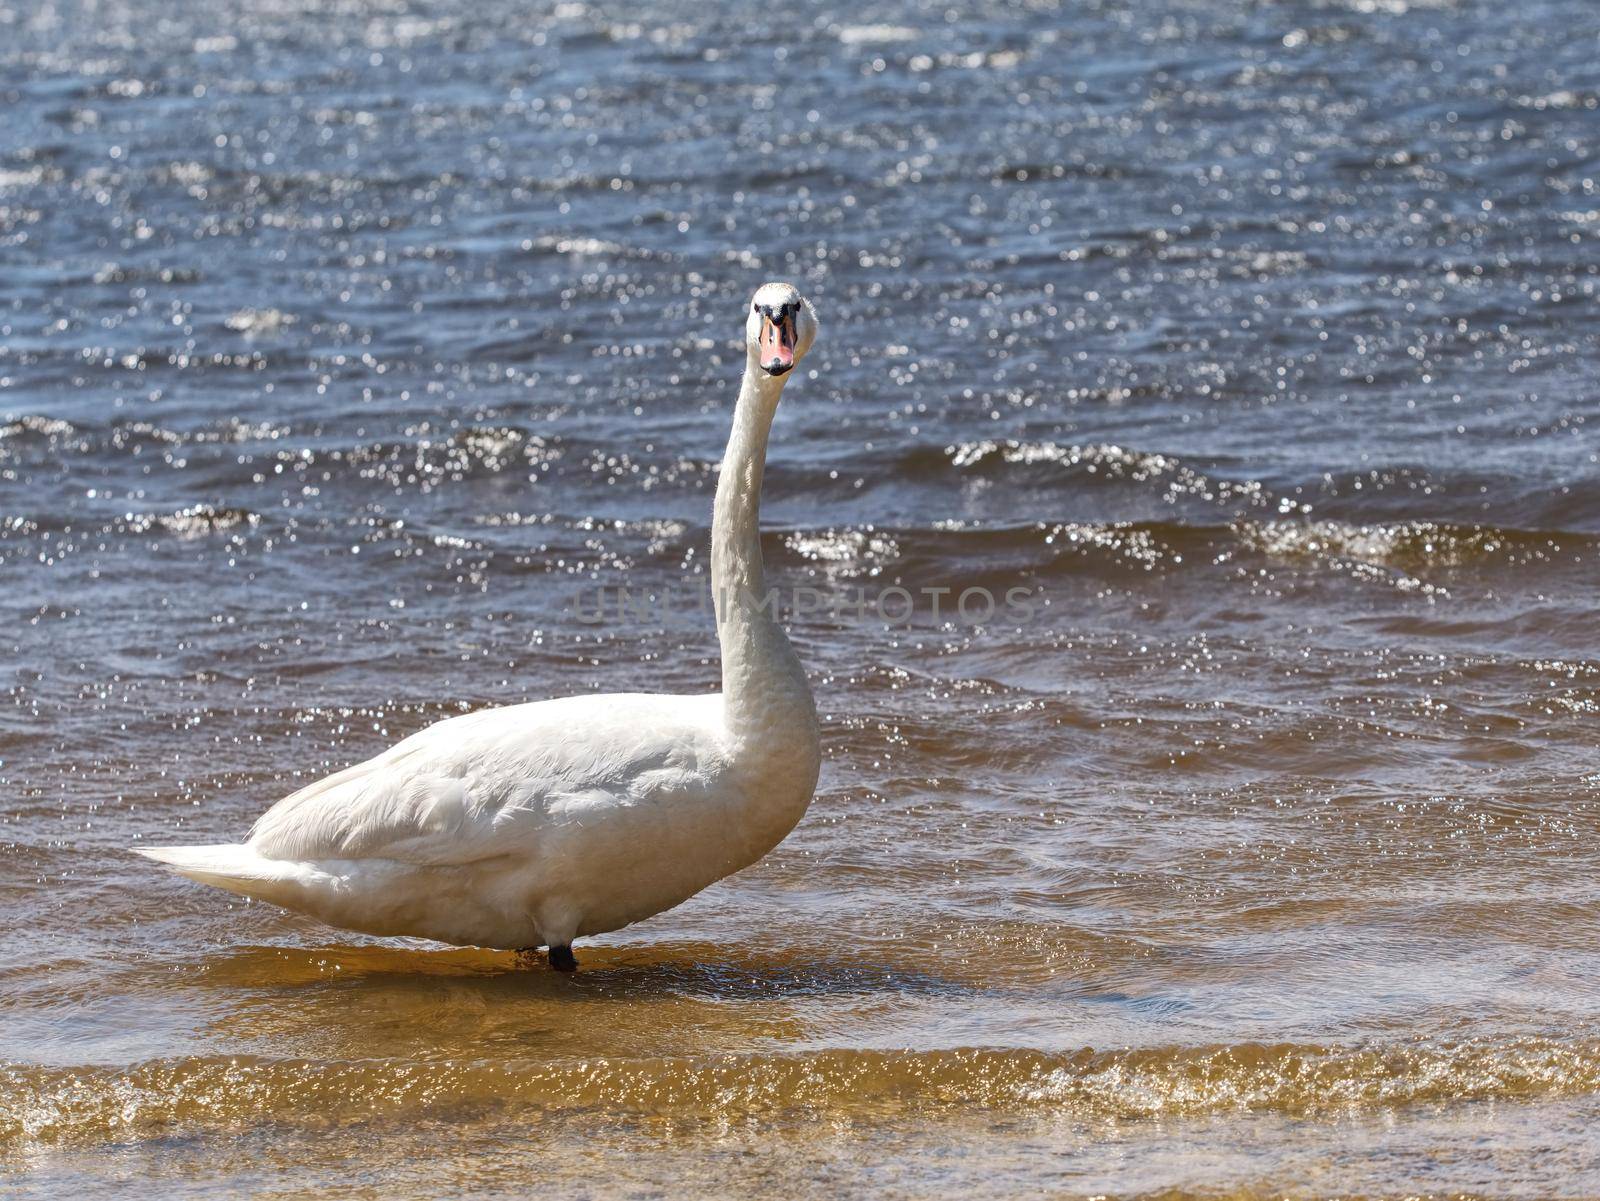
(494, 782)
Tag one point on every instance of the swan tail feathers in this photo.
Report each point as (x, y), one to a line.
(237, 867)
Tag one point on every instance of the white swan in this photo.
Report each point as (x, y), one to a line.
(535, 824)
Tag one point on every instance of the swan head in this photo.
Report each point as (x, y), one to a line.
(780, 328)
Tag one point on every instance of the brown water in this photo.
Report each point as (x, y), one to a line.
(348, 350)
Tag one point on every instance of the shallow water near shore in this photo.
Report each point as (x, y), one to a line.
(352, 354)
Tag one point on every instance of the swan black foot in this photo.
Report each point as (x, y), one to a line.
(562, 959)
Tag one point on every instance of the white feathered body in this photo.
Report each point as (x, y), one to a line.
(524, 826)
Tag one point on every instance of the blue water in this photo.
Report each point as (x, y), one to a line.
(348, 350)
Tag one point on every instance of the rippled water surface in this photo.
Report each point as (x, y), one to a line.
(347, 349)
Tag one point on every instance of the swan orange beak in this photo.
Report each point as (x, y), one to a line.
(777, 344)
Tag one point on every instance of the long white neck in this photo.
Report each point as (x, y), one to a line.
(767, 706)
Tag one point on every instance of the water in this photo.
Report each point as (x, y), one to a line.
(347, 349)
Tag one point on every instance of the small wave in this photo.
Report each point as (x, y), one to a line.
(999, 60)
(578, 246)
(1401, 555)
(67, 535)
(843, 552)
(259, 321)
(118, 273)
(862, 35)
(53, 1105)
(1408, 544)
(26, 178)
(1111, 462)
(1564, 98)
(1139, 464)
(58, 436)
(197, 521)
(436, 457)
(963, 554)
(31, 426)
(662, 535)
(426, 454)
